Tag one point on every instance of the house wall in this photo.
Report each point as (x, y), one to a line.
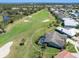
(52, 44)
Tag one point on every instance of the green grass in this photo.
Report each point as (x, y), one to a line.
(1, 18)
(19, 28)
(70, 48)
(26, 30)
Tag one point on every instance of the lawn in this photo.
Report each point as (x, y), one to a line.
(1, 18)
(34, 28)
(70, 48)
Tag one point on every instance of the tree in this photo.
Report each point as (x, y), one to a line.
(22, 42)
(43, 47)
(37, 54)
(56, 24)
(77, 27)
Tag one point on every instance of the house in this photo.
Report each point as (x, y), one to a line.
(24, 8)
(75, 13)
(54, 39)
(52, 9)
(70, 32)
(56, 12)
(69, 22)
(15, 8)
(65, 54)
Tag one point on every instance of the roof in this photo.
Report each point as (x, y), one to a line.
(56, 38)
(52, 9)
(70, 22)
(75, 13)
(66, 18)
(56, 12)
(65, 54)
(68, 31)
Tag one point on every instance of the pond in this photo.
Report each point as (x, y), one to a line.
(6, 18)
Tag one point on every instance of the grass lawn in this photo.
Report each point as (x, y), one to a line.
(1, 18)
(26, 31)
(70, 48)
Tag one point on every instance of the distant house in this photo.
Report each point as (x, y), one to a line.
(24, 8)
(68, 31)
(59, 13)
(56, 12)
(52, 9)
(75, 13)
(15, 8)
(65, 54)
(54, 39)
(69, 22)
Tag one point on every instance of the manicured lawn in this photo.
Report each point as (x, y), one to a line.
(26, 31)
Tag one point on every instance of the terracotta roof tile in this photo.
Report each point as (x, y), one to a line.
(65, 54)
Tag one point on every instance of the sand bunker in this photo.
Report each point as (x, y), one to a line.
(45, 20)
(26, 20)
(29, 16)
(5, 50)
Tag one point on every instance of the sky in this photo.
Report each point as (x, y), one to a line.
(37, 1)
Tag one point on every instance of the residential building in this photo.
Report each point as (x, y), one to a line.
(15, 8)
(69, 22)
(68, 31)
(55, 39)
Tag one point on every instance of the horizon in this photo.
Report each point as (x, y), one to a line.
(39, 1)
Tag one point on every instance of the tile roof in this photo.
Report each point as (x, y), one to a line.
(65, 54)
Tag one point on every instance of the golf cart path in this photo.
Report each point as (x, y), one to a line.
(5, 49)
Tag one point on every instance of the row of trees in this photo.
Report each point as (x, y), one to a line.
(15, 14)
(22, 9)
